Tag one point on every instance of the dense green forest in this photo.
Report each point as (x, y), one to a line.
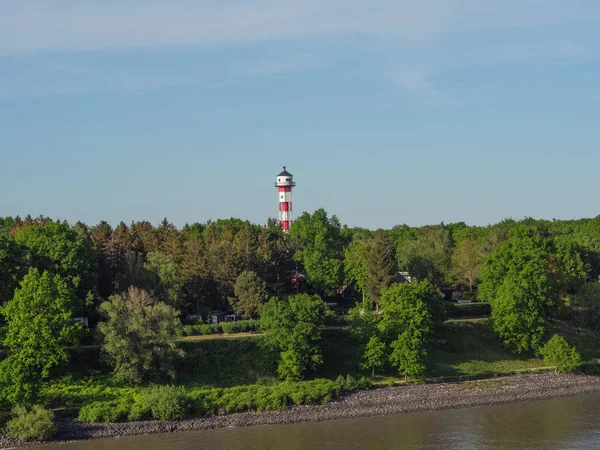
(536, 284)
(195, 269)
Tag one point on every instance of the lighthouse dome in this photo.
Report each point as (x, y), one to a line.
(285, 179)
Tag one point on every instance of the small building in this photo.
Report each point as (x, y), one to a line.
(218, 317)
(402, 277)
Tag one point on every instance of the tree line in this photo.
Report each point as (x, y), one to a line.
(137, 280)
(208, 266)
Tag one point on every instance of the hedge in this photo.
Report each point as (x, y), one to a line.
(241, 326)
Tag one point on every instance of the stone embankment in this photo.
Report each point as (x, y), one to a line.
(383, 401)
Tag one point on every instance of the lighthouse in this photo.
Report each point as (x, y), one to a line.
(284, 185)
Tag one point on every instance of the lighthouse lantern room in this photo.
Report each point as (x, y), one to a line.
(284, 185)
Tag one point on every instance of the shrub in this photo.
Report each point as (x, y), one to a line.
(165, 402)
(559, 353)
(105, 411)
(271, 398)
(34, 424)
(241, 326)
(202, 329)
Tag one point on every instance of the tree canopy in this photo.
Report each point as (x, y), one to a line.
(38, 331)
(294, 328)
(140, 336)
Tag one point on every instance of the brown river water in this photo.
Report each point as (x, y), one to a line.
(565, 423)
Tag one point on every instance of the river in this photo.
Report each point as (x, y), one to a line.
(564, 423)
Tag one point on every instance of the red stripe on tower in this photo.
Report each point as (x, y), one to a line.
(284, 185)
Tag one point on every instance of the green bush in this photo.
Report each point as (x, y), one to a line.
(163, 402)
(106, 411)
(36, 424)
(270, 398)
(560, 354)
(241, 326)
(202, 329)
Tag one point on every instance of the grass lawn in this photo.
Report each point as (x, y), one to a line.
(470, 348)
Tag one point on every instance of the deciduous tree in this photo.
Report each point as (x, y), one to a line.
(141, 336)
(374, 355)
(250, 294)
(319, 248)
(294, 327)
(38, 331)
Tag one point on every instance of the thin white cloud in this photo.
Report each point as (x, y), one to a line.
(64, 25)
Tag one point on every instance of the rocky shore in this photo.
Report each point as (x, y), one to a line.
(383, 401)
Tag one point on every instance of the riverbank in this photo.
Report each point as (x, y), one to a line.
(383, 401)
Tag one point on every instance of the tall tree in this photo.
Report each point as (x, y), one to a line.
(295, 327)
(195, 274)
(408, 321)
(355, 265)
(141, 336)
(37, 333)
(466, 263)
(379, 265)
(164, 278)
(319, 248)
(62, 250)
(250, 294)
(517, 280)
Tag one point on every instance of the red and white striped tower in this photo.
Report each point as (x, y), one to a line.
(284, 184)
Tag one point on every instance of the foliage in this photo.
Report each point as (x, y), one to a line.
(585, 305)
(517, 278)
(11, 266)
(106, 410)
(37, 332)
(560, 354)
(319, 248)
(140, 336)
(466, 262)
(35, 424)
(240, 326)
(374, 356)
(416, 304)
(355, 264)
(294, 326)
(428, 257)
(202, 329)
(518, 310)
(56, 247)
(250, 294)
(379, 267)
(408, 314)
(408, 354)
(169, 402)
(164, 278)
(162, 402)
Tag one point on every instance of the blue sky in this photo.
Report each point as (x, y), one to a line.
(386, 112)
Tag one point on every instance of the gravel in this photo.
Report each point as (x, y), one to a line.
(376, 402)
